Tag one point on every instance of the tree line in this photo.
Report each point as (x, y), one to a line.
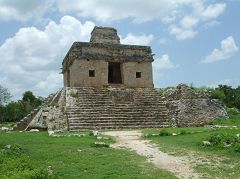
(228, 95)
(16, 110)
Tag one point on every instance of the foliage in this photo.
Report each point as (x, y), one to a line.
(74, 94)
(234, 118)
(183, 132)
(230, 96)
(14, 163)
(163, 132)
(16, 110)
(237, 147)
(217, 94)
(5, 95)
(29, 98)
(233, 112)
(160, 92)
(221, 139)
(13, 111)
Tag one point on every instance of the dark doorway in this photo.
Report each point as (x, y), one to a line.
(114, 73)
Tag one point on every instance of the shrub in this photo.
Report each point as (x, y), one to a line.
(160, 92)
(232, 112)
(222, 139)
(164, 133)
(183, 132)
(215, 139)
(74, 94)
(237, 147)
(217, 94)
(14, 163)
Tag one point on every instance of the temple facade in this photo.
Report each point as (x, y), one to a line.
(104, 62)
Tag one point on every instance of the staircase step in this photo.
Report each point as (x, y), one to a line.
(96, 110)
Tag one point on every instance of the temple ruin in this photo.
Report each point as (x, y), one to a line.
(105, 62)
(108, 85)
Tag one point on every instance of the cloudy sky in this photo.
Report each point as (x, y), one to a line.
(194, 41)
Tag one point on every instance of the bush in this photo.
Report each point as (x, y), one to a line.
(160, 92)
(215, 139)
(164, 133)
(14, 163)
(232, 112)
(183, 132)
(217, 94)
(222, 139)
(237, 147)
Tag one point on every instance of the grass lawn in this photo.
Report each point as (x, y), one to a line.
(36, 155)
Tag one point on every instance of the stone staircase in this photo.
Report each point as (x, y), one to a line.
(112, 108)
(23, 124)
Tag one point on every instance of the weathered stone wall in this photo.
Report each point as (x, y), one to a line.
(129, 74)
(104, 35)
(189, 108)
(79, 73)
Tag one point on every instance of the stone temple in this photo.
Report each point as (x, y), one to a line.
(105, 62)
(113, 84)
(108, 85)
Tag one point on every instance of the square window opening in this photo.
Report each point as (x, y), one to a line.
(91, 73)
(138, 74)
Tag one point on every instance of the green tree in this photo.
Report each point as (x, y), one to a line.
(30, 100)
(5, 95)
(15, 111)
(230, 96)
(28, 97)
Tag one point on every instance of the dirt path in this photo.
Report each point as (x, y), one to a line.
(179, 166)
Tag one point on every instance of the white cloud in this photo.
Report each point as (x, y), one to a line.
(132, 39)
(212, 23)
(189, 22)
(23, 10)
(160, 65)
(185, 27)
(163, 63)
(182, 16)
(228, 49)
(104, 10)
(32, 57)
(213, 10)
(139, 10)
(182, 33)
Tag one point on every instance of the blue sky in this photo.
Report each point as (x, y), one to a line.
(194, 41)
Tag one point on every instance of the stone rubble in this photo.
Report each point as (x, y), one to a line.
(189, 108)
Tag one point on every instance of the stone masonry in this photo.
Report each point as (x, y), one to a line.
(105, 62)
(189, 108)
